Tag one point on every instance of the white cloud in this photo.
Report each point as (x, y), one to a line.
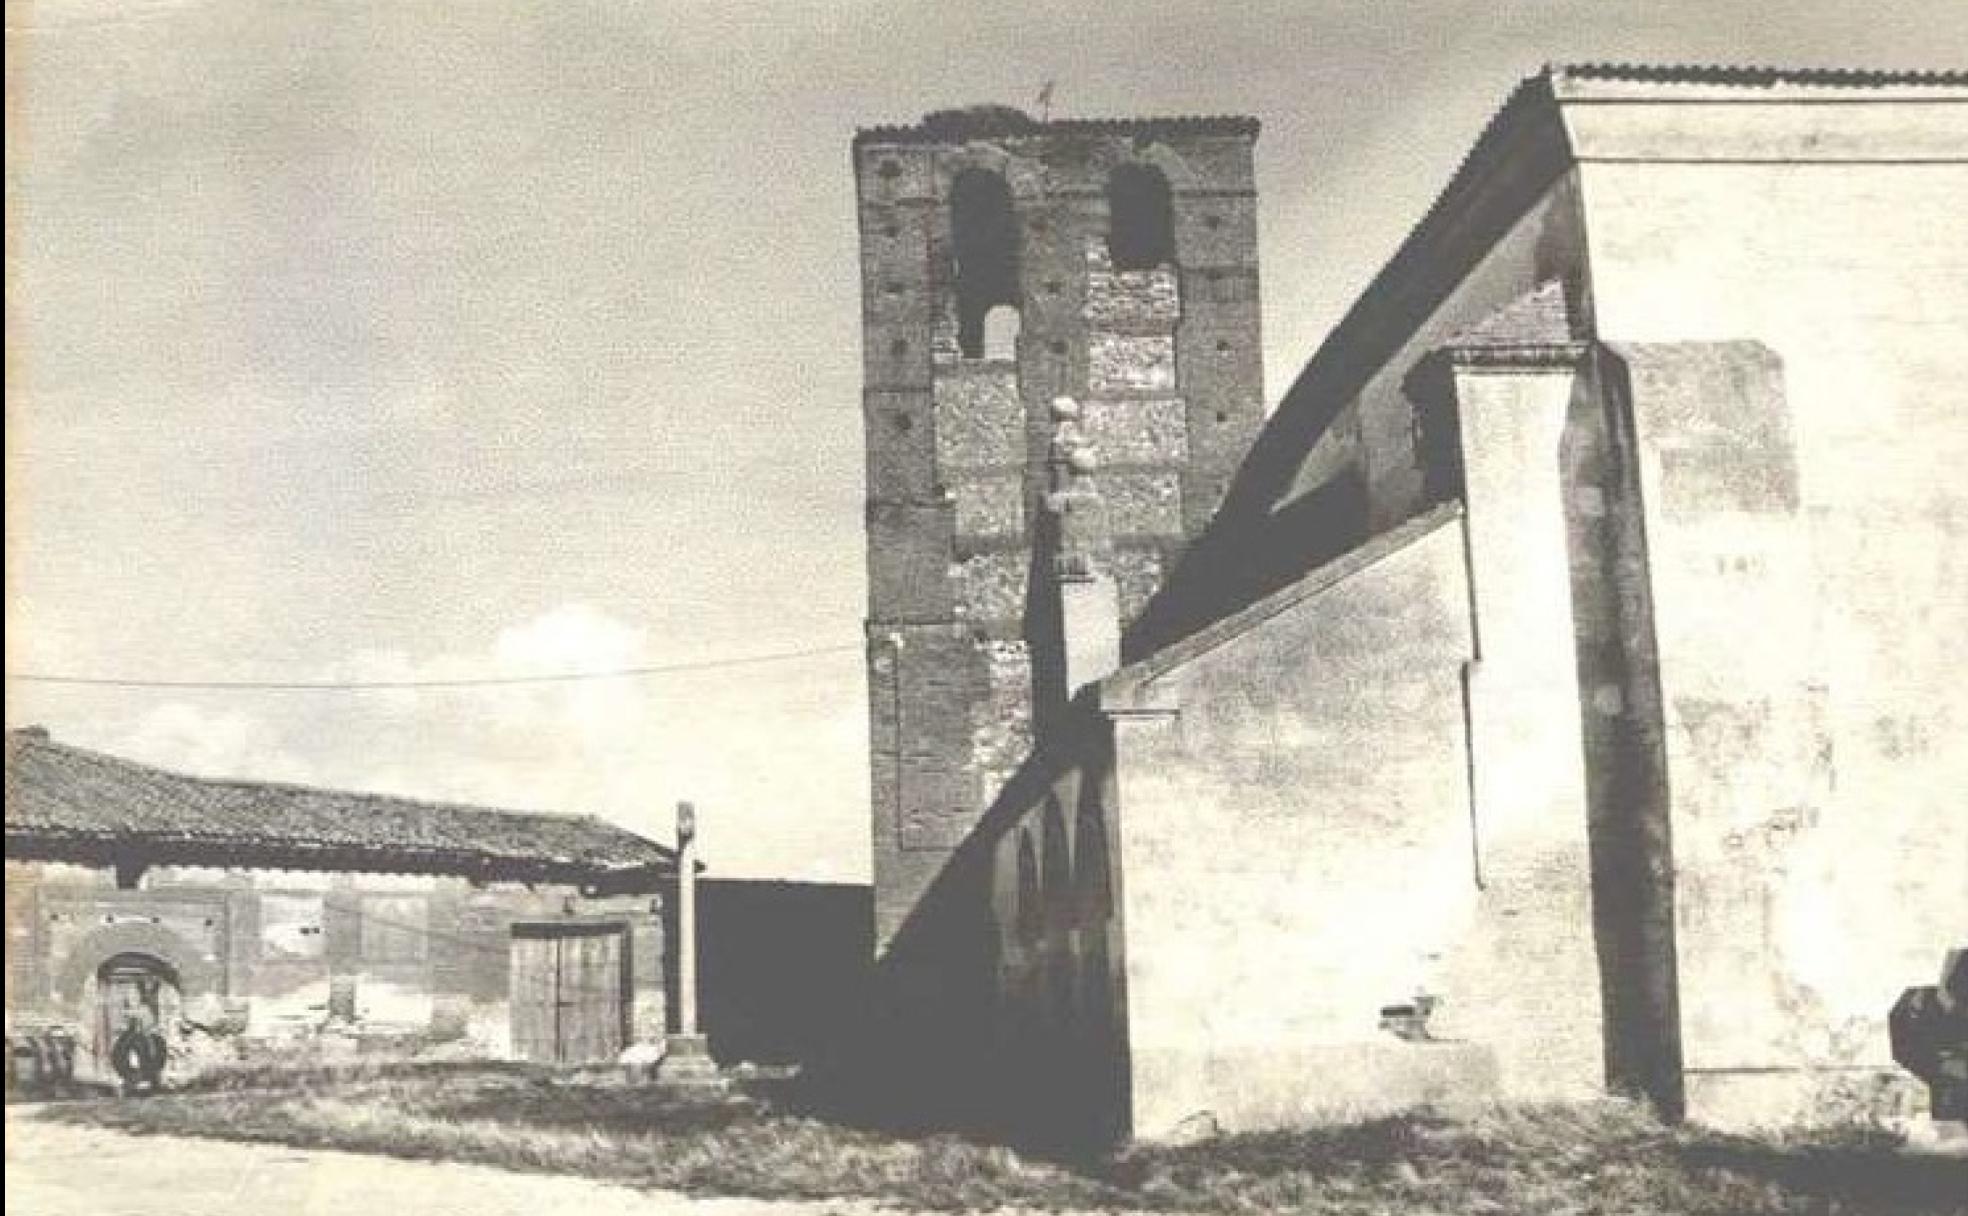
(774, 764)
(224, 743)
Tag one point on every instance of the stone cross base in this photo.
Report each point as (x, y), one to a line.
(687, 1064)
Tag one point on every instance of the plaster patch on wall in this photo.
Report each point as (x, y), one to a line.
(1696, 480)
(380, 1002)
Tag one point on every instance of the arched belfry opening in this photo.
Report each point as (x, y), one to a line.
(984, 246)
(1140, 218)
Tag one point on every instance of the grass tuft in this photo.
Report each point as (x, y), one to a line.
(1523, 1160)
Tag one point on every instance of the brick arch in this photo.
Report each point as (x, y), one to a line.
(1181, 176)
(197, 975)
(991, 159)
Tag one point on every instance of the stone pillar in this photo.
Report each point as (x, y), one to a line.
(1531, 862)
(687, 1055)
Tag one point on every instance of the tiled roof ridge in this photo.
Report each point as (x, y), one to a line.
(1758, 75)
(249, 784)
(1186, 124)
(1543, 316)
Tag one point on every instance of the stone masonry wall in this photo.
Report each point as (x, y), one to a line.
(964, 652)
(307, 962)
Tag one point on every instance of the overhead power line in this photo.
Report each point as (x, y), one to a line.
(560, 677)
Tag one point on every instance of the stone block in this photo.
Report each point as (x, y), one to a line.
(991, 586)
(1129, 431)
(990, 508)
(1142, 504)
(1002, 736)
(1130, 301)
(1137, 574)
(980, 421)
(1130, 363)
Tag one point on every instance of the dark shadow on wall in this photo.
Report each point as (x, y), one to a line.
(1622, 724)
(1223, 574)
(961, 1034)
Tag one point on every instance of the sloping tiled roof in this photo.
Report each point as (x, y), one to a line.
(1752, 76)
(68, 803)
(1539, 317)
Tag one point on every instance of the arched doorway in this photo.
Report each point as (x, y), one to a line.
(132, 989)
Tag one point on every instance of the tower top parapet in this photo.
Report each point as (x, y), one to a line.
(988, 121)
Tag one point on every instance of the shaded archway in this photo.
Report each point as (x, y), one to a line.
(194, 973)
(129, 991)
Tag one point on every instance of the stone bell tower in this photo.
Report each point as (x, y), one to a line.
(1007, 264)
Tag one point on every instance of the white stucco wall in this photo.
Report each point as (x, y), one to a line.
(1831, 233)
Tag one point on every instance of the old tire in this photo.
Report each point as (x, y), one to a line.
(138, 1057)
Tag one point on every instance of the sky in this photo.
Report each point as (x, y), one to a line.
(360, 340)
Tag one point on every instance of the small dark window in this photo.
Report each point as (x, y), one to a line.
(899, 347)
(984, 240)
(889, 169)
(1140, 218)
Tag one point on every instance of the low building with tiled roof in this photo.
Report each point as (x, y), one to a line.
(248, 916)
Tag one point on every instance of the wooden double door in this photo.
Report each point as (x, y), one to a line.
(569, 986)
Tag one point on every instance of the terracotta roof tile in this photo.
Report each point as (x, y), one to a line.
(60, 798)
(1751, 76)
(1542, 316)
(957, 126)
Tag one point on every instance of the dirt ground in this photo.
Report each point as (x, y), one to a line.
(60, 1170)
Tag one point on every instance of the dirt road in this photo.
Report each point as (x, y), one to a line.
(58, 1170)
